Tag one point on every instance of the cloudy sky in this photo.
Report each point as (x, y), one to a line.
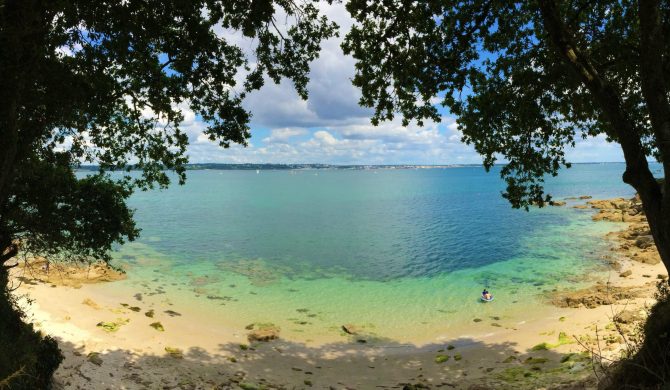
(331, 128)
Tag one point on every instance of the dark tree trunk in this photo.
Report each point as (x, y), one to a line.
(637, 173)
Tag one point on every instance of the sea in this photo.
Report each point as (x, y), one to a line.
(401, 253)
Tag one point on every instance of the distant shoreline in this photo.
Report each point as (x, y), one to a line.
(282, 167)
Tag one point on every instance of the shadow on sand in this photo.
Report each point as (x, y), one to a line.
(279, 364)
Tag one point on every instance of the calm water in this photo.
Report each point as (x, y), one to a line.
(401, 252)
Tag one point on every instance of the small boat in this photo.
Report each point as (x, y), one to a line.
(486, 300)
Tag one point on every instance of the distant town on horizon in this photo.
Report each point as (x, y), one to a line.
(262, 166)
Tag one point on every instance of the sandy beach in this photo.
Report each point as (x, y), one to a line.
(139, 341)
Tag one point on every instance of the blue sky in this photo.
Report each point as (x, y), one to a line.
(331, 128)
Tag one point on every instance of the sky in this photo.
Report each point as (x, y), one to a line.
(330, 127)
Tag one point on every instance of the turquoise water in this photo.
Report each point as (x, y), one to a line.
(403, 253)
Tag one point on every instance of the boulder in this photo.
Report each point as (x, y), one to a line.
(585, 197)
(608, 215)
(625, 217)
(557, 203)
(621, 204)
(647, 257)
(264, 332)
(644, 242)
(626, 273)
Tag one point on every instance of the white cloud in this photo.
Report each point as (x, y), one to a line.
(330, 127)
(283, 135)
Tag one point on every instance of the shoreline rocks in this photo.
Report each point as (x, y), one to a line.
(634, 242)
(40, 270)
(600, 294)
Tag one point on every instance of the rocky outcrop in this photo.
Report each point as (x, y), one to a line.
(635, 242)
(600, 294)
(40, 270)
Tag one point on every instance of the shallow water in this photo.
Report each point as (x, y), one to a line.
(401, 253)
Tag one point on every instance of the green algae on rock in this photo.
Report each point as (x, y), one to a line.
(112, 326)
(441, 358)
(174, 352)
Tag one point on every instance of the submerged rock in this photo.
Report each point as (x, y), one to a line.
(158, 326)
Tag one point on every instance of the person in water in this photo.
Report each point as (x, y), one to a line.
(486, 294)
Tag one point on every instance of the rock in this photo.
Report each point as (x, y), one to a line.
(608, 215)
(89, 302)
(647, 257)
(150, 313)
(158, 326)
(600, 294)
(174, 352)
(264, 332)
(625, 217)
(644, 242)
(580, 206)
(557, 203)
(583, 197)
(112, 326)
(661, 276)
(627, 317)
(441, 358)
(626, 273)
(351, 329)
(94, 357)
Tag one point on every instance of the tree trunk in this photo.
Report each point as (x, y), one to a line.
(623, 129)
(655, 92)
